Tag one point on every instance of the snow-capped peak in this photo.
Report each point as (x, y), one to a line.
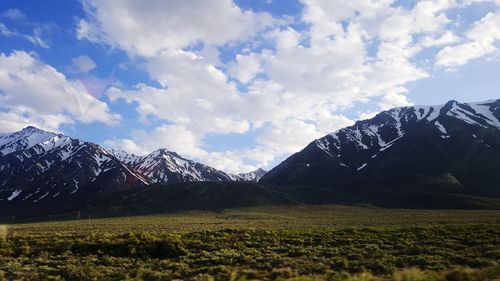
(372, 136)
(40, 165)
(481, 113)
(125, 157)
(253, 176)
(24, 139)
(163, 166)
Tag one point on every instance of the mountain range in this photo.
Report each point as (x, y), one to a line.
(453, 147)
(38, 165)
(444, 156)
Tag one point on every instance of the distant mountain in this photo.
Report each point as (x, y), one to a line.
(36, 165)
(445, 156)
(162, 166)
(453, 148)
(253, 176)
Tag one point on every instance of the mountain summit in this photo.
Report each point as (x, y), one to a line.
(254, 176)
(163, 166)
(36, 165)
(452, 147)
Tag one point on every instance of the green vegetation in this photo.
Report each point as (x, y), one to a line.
(273, 243)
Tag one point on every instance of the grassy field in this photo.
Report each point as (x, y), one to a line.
(273, 243)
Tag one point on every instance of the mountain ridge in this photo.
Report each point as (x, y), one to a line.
(382, 151)
(163, 166)
(37, 165)
(404, 157)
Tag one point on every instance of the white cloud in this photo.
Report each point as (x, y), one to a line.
(179, 139)
(196, 95)
(5, 31)
(292, 135)
(38, 36)
(37, 92)
(306, 85)
(245, 67)
(392, 100)
(366, 115)
(445, 39)
(481, 38)
(83, 64)
(126, 145)
(20, 117)
(13, 14)
(146, 29)
(174, 137)
(299, 80)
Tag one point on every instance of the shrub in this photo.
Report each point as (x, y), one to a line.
(459, 275)
(362, 277)
(168, 248)
(3, 232)
(414, 274)
(203, 277)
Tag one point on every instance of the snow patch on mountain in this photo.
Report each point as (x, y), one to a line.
(370, 137)
(59, 164)
(253, 176)
(163, 166)
(125, 157)
(24, 139)
(441, 128)
(14, 194)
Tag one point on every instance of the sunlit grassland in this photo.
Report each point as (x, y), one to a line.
(273, 243)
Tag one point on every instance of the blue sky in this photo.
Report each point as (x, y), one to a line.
(236, 84)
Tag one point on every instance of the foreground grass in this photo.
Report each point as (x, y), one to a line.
(296, 243)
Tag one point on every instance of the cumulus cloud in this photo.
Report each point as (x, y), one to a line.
(391, 100)
(183, 141)
(33, 91)
(445, 39)
(292, 135)
(297, 81)
(127, 145)
(20, 117)
(480, 42)
(245, 67)
(83, 64)
(195, 95)
(146, 29)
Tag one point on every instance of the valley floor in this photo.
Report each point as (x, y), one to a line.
(326, 242)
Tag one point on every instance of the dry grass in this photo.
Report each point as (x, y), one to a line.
(3, 232)
(300, 243)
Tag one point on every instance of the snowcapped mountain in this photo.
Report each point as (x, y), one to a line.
(456, 145)
(37, 165)
(253, 176)
(163, 166)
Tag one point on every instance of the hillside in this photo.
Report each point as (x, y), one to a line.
(38, 167)
(452, 148)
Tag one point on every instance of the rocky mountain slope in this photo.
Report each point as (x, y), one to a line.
(253, 176)
(448, 148)
(163, 166)
(37, 165)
